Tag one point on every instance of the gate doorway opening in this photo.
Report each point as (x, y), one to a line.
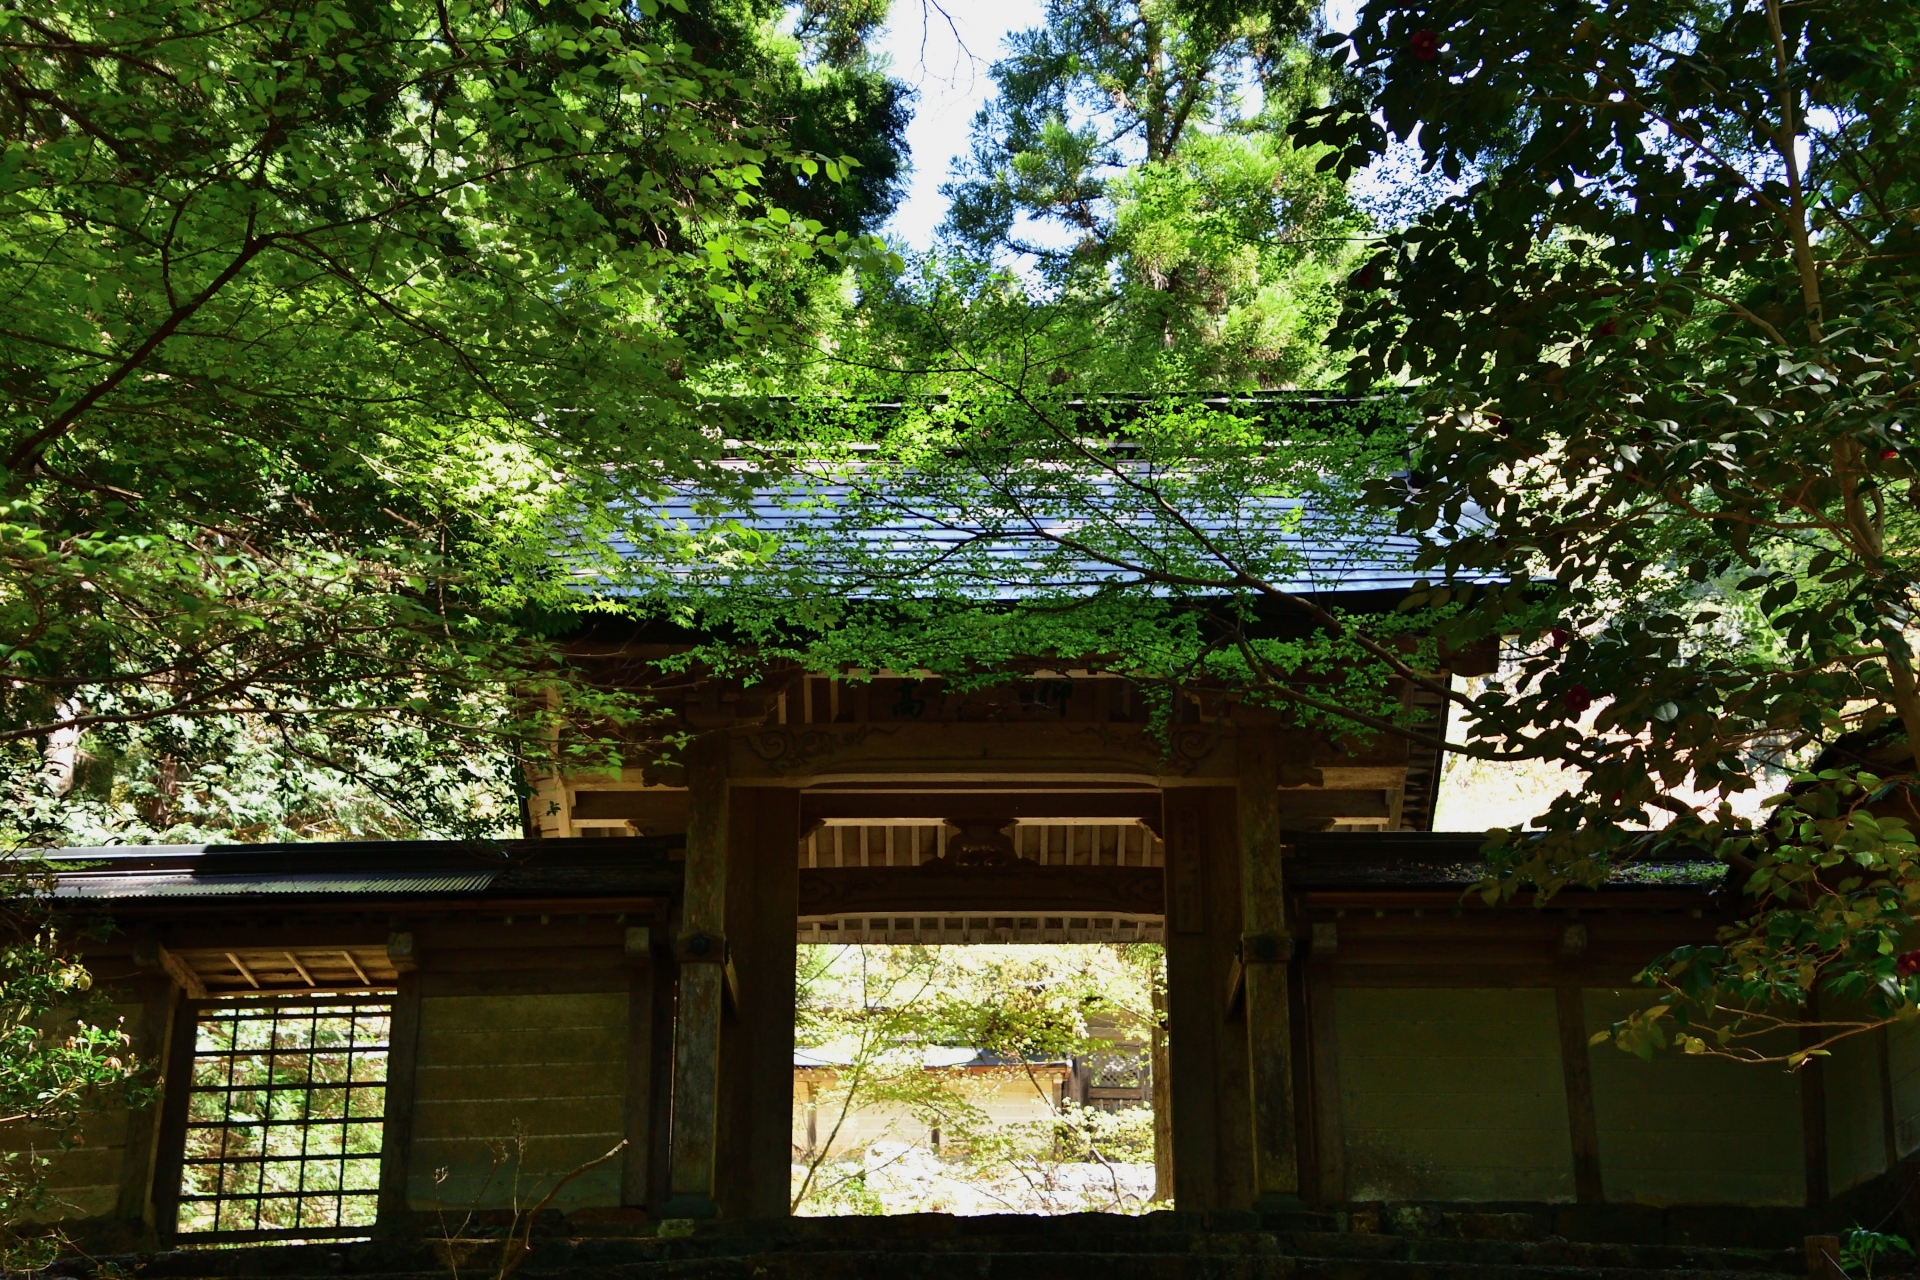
(980, 1078)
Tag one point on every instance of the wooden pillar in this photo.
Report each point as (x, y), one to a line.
(1266, 949)
(637, 1121)
(396, 1132)
(1305, 1124)
(753, 1178)
(666, 991)
(176, 1076)
(1190, 996)
(702, 952)
(151, 1038)
(1329, 1117)
(1206, 1054)
(1577, 1068)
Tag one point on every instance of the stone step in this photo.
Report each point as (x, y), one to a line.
(1137, 1255)
(1547, 1253)
(1064, 1264)
(1323, 1244)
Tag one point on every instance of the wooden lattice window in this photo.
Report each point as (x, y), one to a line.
(1119, 1078)
(284, 1117)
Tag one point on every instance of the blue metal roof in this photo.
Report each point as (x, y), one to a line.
(839, 533)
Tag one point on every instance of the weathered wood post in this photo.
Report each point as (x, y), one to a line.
(702, 951)
(1266, 948)
(156, 992)
(1192, 992)
(755, 1138)
(636, 1120)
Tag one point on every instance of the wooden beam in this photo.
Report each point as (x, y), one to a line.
(1326, 804)
(933, 804)
(1317, 898)
(300, 968)
(923, 752)
(1266, 949)
(183, 974)
(1335, 777)
(1438, 973)
(244, 972)
(654, 810)
(528, 982)
(1023, 887)
(243, 919)
(396, 1141)
(1576, 1065)
(701, 949)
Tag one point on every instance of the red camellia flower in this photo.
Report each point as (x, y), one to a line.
(1908, 965)
(1578, 699)
(1561, 637)
(1604, 329)
(1889, 453)
(1426, 45)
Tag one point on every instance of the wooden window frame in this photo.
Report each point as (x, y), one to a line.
(170, 1165)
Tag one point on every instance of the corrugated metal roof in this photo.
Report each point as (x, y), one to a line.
(123, 877)
(233, 885)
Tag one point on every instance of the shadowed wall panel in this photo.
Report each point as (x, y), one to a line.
(1856, 1116)
(1453, 1095)
(85, 1180)
(1692, 1130)
(553, 1064)
(1903, 1062)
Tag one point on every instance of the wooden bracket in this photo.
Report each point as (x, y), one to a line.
(701, 948)
(711, 948)
(1265, 948)
(401, 953)
(177, 970)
